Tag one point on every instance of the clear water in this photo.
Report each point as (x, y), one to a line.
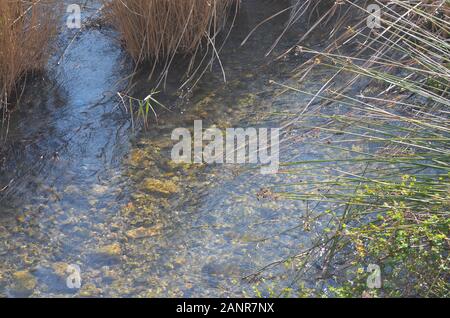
(76, 175)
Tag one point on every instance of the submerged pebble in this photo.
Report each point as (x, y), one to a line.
(24, 282)
(143, 232)
(113, 250)
(160, 186)
(90, 290)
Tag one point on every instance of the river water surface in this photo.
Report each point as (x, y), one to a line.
(80, 186)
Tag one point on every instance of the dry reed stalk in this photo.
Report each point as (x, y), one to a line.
(157, 29)
(26, 28)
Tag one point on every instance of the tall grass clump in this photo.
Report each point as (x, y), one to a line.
(389, 197)
(26, 28)
(156, 30)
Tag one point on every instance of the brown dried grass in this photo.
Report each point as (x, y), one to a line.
(26, 28)
(157, 29)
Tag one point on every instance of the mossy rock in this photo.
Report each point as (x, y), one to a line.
(166, 187)
(206, 101)
(144, 232)
(137, 157)
(247, 100)
(24, 282)
(90, 290)
(113, 250)
(60, 269)
(180, 166)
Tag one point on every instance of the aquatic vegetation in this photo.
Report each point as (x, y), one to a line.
(206, 101)
(110, 250)
(247, 101)
(143, 232)
(90, 290)
(391, 208)
(26, 29)
(137, 157)
(160, 186)
(25, 282)
(143, 108)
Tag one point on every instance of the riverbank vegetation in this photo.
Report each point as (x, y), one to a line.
(26, 29)
(158, 30)
(392, 207)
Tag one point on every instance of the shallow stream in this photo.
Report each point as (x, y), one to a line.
(80, 186)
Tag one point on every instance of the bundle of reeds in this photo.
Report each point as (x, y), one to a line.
(392, 206)
(157, 29)
(26, 28)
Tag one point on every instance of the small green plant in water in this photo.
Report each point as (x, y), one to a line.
(140, 108)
